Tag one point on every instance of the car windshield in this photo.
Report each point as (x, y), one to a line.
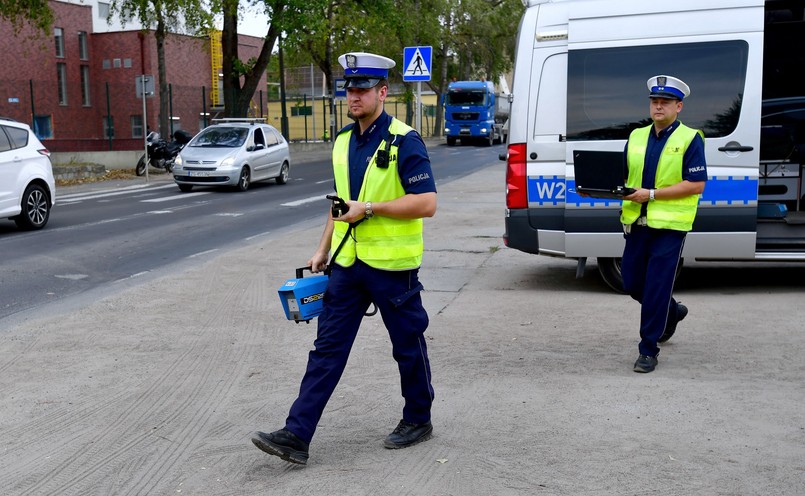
(232, 137)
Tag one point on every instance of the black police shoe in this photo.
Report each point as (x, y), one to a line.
(407, 434)
(284, 444)
(670, 328)
(645, 364)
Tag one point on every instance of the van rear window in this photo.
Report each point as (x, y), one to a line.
(607, 96)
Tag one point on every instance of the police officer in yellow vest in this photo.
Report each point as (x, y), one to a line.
(666, 165)
(383, 172)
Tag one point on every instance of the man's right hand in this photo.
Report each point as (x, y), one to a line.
(317, 262)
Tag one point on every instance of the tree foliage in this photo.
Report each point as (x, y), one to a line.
(471, 39)
(36, 13)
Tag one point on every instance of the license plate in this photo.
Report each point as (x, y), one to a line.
(200, 173)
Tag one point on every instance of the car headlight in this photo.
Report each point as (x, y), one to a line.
(177, 162)
(447, 130)
(227, 162)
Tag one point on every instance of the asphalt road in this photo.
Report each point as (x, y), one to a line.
(108, 233)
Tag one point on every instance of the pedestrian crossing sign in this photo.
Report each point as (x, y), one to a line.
(417, 63)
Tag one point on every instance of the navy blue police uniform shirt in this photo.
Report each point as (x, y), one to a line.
(413, 164)
(694, 167)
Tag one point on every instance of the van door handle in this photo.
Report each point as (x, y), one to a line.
(735, 147)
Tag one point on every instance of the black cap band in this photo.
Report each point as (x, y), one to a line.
(361, 82)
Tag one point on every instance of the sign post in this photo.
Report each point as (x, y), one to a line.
(145, 87)
(417, 64)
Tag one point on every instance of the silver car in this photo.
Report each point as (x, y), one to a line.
(233, 152)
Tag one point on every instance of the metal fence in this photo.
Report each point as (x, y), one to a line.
(111, 115)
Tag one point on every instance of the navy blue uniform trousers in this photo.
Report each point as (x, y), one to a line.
(349, 293)
(649, 266)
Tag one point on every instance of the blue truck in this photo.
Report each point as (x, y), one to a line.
(474, 111)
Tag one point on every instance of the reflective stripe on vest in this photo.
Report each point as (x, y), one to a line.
(677, 214)
(380, 242)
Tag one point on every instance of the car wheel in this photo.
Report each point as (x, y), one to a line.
(245, 179)
(35, 209)
(285, 172)
(186, 188)
(140, 169)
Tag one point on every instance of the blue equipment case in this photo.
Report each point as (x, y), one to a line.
(303, 298)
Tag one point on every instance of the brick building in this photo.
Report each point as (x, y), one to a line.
(82, 79)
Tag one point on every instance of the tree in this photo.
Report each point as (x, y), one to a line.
(470, 38)
(37, 13)
(237, 96)
(167, 16)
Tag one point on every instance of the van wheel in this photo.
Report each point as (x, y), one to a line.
(451, 141)
(610, 270)
(35, 209)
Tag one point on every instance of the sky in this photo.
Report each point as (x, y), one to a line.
(253, 21)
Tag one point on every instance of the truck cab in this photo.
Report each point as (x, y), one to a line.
(474, 112)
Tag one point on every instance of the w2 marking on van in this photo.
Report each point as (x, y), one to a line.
(546, 190)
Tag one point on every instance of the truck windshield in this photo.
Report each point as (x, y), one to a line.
(475, 98)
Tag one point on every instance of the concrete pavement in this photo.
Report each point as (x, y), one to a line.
(132, 394)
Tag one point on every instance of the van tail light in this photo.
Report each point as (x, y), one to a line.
(516, 177)
(44, 151)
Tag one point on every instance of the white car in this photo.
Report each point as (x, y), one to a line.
(233, 152)
(27, 185)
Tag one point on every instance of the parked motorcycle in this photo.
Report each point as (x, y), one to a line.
(161, 153)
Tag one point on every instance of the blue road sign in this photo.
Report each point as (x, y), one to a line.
(417, 63)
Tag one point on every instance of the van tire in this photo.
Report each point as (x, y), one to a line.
(610, 270)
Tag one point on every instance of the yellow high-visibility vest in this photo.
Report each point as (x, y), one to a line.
(380, 242)
(677, 214)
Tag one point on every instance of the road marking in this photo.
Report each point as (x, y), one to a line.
(302, 201)
(174, 197)
(75, 197)
(202, 253)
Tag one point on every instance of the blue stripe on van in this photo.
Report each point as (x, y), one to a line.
(729, 190)
(720, 190)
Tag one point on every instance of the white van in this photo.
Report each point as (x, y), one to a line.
(580, 77)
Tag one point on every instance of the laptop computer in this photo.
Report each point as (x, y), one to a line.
(600, 174)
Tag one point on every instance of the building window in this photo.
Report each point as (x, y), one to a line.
(43, 127)
(83, 47)
(85, 85)
(116, 63)
(61, 77)
(103, 10)
(127, 63)
(137, 126)
(107, 64)
(109, 127)
(58, 35)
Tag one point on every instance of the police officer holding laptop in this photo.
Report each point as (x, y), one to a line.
(383, 173)
(666, 165)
